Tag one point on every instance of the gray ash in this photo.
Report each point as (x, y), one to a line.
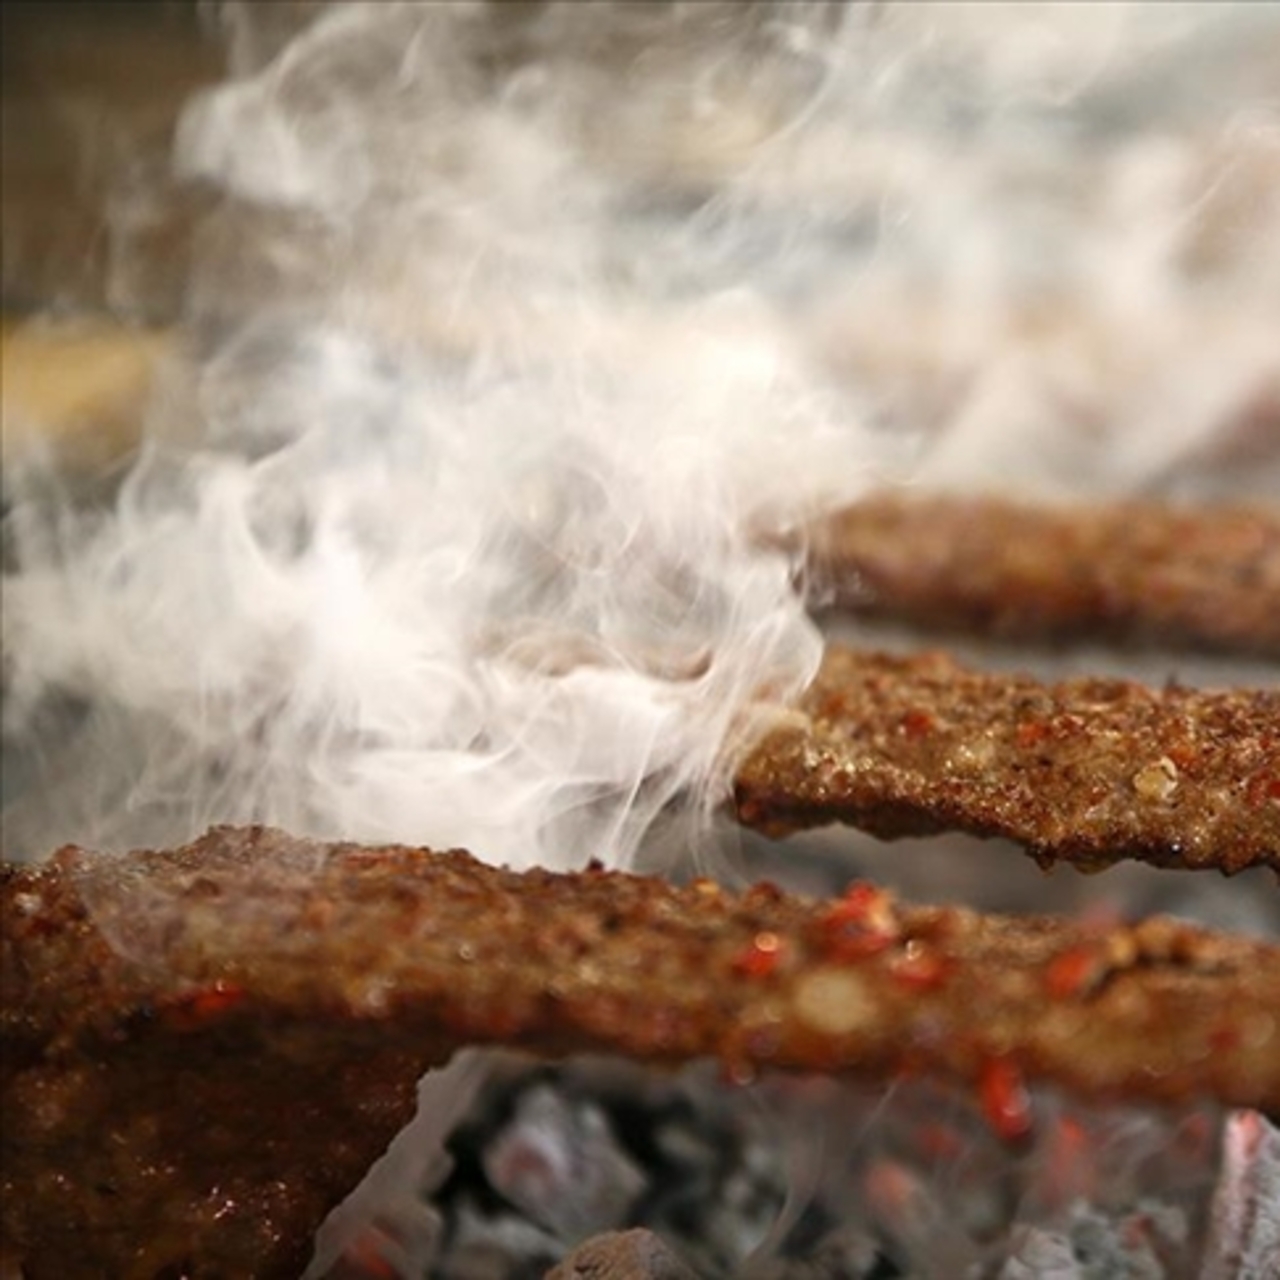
(583, 1149)
(796, 1178)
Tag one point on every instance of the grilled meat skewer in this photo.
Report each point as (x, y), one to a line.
(1088, 771)
(1205, 578)
(204, 1048)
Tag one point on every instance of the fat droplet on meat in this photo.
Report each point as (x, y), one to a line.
(834, 1001)
(1158, 781)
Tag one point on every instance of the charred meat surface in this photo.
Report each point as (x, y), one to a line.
(622, 1255)
(1088, 771)
(1206, 578)
(204, 1047)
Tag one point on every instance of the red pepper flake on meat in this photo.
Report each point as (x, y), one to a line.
(652, 987)
(1261, 788)
(1075, 972)
(920, 970)
(917, 723)
(863, 904)
(1092, 746)
(760, 957)
(1004, 1098)
(201, 1007)
(858, 925)
(1186, 755)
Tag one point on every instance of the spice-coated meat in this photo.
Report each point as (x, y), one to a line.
(204, 1047)
(1206, 578)
(622, 1255)
(1090, 771)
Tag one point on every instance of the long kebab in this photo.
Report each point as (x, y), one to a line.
(1089, 771)
(203, 1048)
(1199, 578)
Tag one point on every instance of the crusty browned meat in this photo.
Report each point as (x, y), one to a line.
(622, 1255)
(202, 1048)
(170, 1136)
(1204, 578)
(1089, 771)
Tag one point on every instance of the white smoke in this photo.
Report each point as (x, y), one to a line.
(443, 531)
(510, 328)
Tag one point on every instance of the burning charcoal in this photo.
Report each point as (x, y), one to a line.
(627, 1255)
(1207, 579)
(1244, 1238)
(746, 1203)
(501, 330)
(1152, 1242)
(560, 1164)
(709, 1160)
(1136, 1245)
(249, 1014)
(713, 1193)
(1086, 771)
(915, 1221)
(843, 1253)
(398, 1244)
(500, 1246)
(946, 1199)
(717, 1176)
(1042, 1255)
